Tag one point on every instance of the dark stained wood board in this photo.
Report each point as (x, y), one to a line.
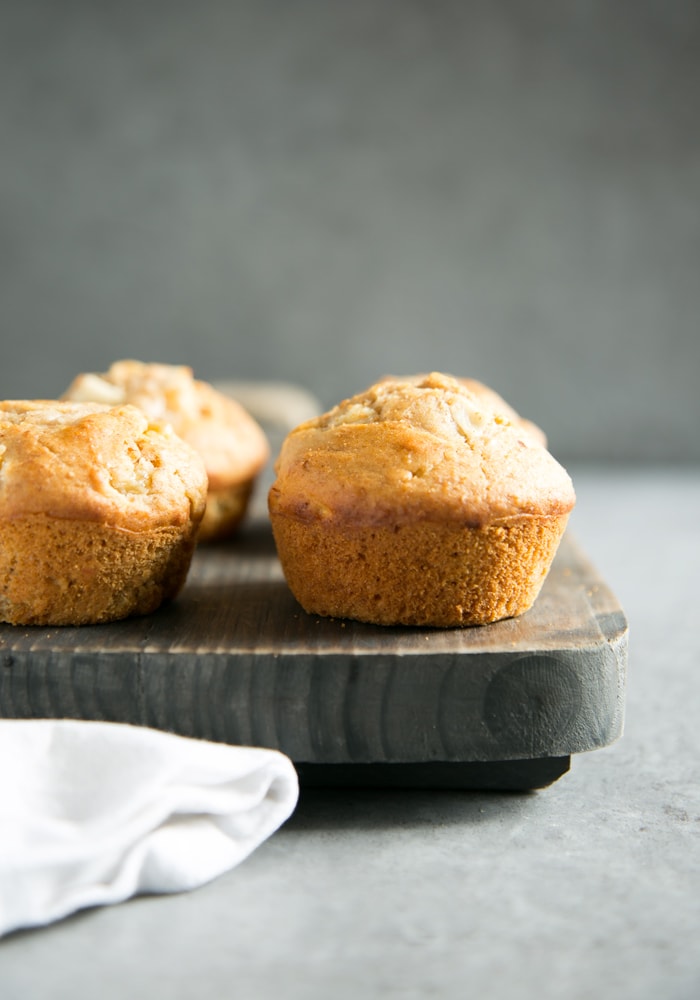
(235, 659)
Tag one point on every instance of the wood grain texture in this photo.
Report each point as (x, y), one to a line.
(235, 659)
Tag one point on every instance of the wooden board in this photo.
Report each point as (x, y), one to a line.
(235, 659)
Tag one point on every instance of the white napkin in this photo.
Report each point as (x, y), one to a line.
(93, 813)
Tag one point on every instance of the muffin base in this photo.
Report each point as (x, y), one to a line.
(56, 571)
(224, 511)
(429, 574)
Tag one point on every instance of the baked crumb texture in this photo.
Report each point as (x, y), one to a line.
(99, 512)
(231, 443)
(424, 501)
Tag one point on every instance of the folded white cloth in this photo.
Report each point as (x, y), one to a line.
(93, 813)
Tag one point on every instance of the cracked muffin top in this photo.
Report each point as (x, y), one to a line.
(430, 447)
(91, 461)
(230, 441)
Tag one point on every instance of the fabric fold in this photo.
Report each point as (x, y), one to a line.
(93, 813)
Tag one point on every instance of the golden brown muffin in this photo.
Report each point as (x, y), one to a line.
(422, 501)
(99, 511)
(231, 443)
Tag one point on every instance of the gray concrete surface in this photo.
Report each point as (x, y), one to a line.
(324, 192)
(588, 889)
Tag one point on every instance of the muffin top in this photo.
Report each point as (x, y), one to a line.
(428, 447)
(231, 443)
(89, 461)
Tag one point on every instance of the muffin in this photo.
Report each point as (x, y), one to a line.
(99, 512)
(425, 500)
(232, 444)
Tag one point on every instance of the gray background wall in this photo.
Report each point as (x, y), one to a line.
(325, 192)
